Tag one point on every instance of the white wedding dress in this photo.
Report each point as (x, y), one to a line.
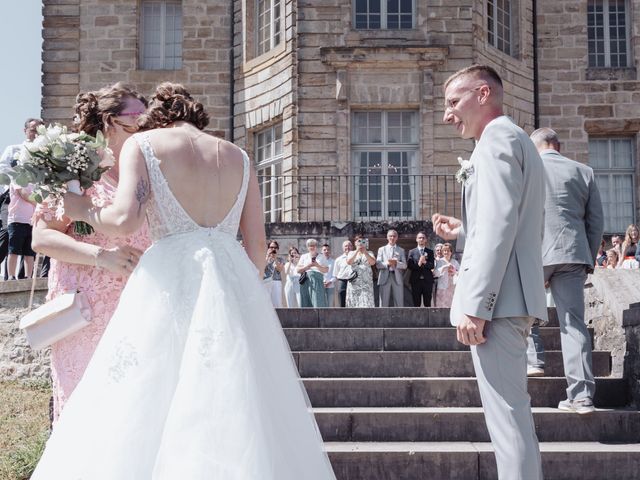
(193, 378)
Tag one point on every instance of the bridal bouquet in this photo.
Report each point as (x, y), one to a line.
(57, 162)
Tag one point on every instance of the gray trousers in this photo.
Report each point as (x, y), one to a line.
(398, 292)
(501, 368)
(535, 348)
(566, 282)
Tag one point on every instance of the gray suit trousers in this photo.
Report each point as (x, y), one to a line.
(500, 365)
(535, 348)
(566, 282)
(398, 292)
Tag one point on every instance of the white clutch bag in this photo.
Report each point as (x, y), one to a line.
(56, 319)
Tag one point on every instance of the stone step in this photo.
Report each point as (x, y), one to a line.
(445, 392)
(476, 461)
(416, 364)
(429, 424)
(372, 317)
(391, 339)
(16, 293)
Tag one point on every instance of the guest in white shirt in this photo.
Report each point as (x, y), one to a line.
(329, 277)
(437, 250)
(343, 272)
(273, 270)
(312, 266)
(291, 279)
(20, 208)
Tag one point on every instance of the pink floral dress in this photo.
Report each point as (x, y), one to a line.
(446, 282)
(70, 356)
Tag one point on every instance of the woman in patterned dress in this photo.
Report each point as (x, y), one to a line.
(447, 269)
(94, 264)
(360, 289)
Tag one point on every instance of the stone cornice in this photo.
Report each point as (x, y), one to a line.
(383, 57)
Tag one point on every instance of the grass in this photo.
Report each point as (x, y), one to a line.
(24, 427)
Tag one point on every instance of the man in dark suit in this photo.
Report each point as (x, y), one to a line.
(420, 263)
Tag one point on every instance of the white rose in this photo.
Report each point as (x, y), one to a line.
(38, 143)
(54, 132)
(107, 158)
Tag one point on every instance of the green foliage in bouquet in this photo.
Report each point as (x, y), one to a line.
(56, 160)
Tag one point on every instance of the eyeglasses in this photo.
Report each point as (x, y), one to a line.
(129, 125)
(452, 102)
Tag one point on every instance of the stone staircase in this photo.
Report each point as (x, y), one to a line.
(395, 398)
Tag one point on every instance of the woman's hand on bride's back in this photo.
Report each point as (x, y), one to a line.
(119, 260)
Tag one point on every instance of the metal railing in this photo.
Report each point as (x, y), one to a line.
(348, 198)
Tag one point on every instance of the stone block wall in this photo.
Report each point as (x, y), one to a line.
(578, 101)
(613, 309)
(17, 360)
(265, 89)
(515, 69)
(60, 59)
(89, 44)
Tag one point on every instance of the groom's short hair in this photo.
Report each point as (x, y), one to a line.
(482, 72)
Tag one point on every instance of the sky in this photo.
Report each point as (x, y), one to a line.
(21, 77)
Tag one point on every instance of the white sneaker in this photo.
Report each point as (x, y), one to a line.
(535, 372)
(581, 406)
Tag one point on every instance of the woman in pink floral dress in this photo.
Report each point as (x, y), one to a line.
(94, 264)
(446, 271)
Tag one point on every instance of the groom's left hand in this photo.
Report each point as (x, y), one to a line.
(470, 330)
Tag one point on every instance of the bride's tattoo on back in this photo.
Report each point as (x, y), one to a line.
(142, 193)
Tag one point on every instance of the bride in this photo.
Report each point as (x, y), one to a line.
(193, 377)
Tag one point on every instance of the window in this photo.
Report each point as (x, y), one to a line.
(161, 35)
(269, 163)
(499, 25)
(384, 14)
(268, 21)
(384, 151)
(607, 33)
(613, 163)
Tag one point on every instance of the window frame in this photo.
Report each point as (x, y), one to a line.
(606, 38)
(383, 17)
(273, 21)
(493, 32)
(384, 148)
(272, 177)
(142, 56)
(612, 171)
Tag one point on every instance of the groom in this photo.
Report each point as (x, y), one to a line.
(499, 291)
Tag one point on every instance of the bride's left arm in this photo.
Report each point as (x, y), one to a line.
(127, 212)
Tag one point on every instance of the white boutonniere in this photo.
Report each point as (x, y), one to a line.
(466, 170)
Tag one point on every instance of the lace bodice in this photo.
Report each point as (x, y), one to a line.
(166, 216)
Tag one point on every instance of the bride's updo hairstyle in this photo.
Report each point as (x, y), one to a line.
(170, 103)
(95, 110)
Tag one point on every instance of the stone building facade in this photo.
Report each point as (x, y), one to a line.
(340, 104)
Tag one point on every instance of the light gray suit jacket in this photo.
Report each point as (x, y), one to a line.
(502, 226)
(574, 221)
(384, 254)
